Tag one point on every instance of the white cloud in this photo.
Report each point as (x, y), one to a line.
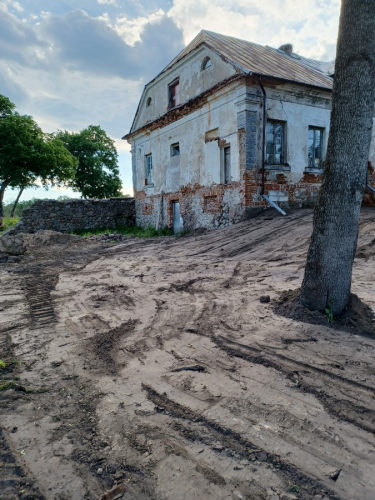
(310, 25)
(107, 2)
(131, 29)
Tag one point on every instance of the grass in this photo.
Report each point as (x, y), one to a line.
(8, 222)
(139, 232)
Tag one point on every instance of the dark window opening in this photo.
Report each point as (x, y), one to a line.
(275, 147)
(149, 178)
(174, 94)
(148, 102)
(206, 63)
(315, 147)
(175, 149)
(226, 164)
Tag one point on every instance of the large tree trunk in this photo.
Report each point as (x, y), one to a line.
(16, 202)
(333, 243)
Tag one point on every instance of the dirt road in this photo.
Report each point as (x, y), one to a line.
(151, 370)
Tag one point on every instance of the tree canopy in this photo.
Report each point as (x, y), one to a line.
(28, 154)
(97, 175)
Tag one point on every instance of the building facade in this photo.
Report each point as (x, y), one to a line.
(226, 122)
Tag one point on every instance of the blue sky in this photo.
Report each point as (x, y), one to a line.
(74, 63)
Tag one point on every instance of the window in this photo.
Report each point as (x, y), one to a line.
(175, 149)
(275, 147)
(148, 165)
(174, 94)
(206, 63)
(148, 102)
(226, 165)
(315, 147)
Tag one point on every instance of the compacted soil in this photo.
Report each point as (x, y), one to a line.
(151, 369)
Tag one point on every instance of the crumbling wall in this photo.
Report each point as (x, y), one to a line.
(200, 206)
(71, 215)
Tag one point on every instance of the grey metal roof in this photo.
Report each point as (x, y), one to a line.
(253, 58)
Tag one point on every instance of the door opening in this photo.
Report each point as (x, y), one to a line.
(178, 224)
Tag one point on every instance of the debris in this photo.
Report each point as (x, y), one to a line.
(115, 493)
(335, 475)
(13, 245)
(192, 368)
(264, 299)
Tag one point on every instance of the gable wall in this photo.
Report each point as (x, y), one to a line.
(193, 82)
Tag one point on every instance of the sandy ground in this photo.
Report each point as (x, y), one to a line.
(151, 370)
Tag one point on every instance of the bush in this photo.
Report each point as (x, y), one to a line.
(8, 223)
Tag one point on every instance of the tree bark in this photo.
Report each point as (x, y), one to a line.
(3, 187)
(16, 202)
(328, 270)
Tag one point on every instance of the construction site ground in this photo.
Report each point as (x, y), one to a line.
(158, 369)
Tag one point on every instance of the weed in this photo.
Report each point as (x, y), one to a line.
(294, 488)
(16, 386)
(8, 222)
(328, 311)
(2, 364)
(139, 232)
(183, 233)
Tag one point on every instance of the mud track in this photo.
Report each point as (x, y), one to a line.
(150, 369)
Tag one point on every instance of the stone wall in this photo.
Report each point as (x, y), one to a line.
(70, 215)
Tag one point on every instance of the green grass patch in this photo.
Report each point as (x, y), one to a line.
(15, 385)
(8, 222)
(139, 232)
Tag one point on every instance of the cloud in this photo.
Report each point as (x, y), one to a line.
(107, 2)
(81, 43)
(310, 25)
(18, 40)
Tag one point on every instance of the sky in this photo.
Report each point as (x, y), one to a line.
(74, 63)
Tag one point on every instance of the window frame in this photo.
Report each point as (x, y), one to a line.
(283, 154)
(322, 132)
(172, 96)
(149, 178)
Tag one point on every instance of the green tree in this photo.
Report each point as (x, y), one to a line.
(97, 175)
(328, 271)
(27, 154)
(6, 106)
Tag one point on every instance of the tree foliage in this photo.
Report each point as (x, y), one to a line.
(97, 174)
(27, 154)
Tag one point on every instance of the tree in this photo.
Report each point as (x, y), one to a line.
(97, 175)
(328, 270)
(27, 154)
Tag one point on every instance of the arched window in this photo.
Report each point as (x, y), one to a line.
(206, 63)
(148, 102)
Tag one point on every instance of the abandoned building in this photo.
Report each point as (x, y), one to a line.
(228, 127)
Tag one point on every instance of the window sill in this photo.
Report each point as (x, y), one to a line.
(148, 186)
(283, 168)
(311, 170)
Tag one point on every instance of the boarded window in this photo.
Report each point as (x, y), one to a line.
(211, 203)
(148, 165)
(174, 94)
(275, 148)
(211, 135)
(315, 147)
(227, 175)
